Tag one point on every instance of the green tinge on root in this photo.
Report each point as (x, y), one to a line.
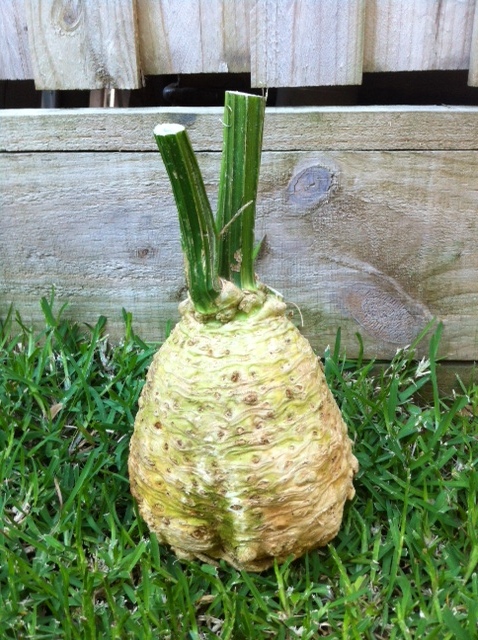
(239, 450)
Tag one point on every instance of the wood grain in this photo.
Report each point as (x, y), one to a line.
(70, 44)
(286, 129)
(473, 66)
(83, 45)
(417, 35)
(15, 59)
(306, 43)
(372, 241)
(194, 36)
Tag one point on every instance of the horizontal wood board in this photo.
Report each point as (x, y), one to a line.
(375, 241)
(286, 129)
(65, 44)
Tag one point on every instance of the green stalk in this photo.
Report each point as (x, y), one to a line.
(198, 233)
(239, 177)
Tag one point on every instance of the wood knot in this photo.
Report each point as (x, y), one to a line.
(67, 15)
(386, 312)
(311, 186)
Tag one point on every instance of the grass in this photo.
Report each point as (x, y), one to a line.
(77, 561)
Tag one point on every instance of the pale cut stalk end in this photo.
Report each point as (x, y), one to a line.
(168, 129)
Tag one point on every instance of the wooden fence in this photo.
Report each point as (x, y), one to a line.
(369, 217)
(369, 213)
(88, 44)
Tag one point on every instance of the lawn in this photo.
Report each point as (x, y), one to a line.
(76, 561)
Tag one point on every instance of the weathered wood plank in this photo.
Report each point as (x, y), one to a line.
(194, 36)
(452, 375)
(372, 241)
(416, 35)
(307, 128)
(306, 43)
(15, 59)
(93, 45)
(83, 45)
(473, 66)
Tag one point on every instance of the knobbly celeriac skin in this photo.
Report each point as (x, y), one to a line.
(239, 450)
